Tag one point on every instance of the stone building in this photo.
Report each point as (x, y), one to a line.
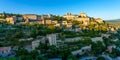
(37, 19)
(81, 18)
(64, 22)
(33, 19)
(14, 19)
(35, 44)
(41, 21)
(54, 22)
(52, 39)
(37, 41)
(48, 21)
(5, 51)
(70, 16)
(1, 15)
(49, 16)
(85, 21)
(83, 15)
(95, 39)
(11, 20)
(69, 25)
(30, 16)
(99, 20)
(110, 48)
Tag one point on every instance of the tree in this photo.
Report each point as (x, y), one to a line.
(43, 58)
(57, 18)
(51, 27)
(21, 52)
(71, 57)
(101, 58)
(4, 15)
(76, 22)
(106, 41)
(33, 33)
(87, 41)
(19, 35)
(115, 52)
(97, 48)
(18, 15)
(52, 51)
(34, 54)
(61, 36)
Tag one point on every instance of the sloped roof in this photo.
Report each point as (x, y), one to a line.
(5, 48)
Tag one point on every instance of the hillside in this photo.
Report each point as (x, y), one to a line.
(115, 22)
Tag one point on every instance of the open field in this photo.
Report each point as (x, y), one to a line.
(116, 23)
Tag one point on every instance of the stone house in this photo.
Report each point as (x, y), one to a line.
(52, 39)
(30, 16)
(14, 19)
(70, 16)
(5, 51)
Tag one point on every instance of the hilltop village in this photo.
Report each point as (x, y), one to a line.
(55, 20)
(67, 37)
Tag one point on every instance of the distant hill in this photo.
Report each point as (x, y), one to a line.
(113, 20)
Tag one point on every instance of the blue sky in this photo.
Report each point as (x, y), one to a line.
(106, 9)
